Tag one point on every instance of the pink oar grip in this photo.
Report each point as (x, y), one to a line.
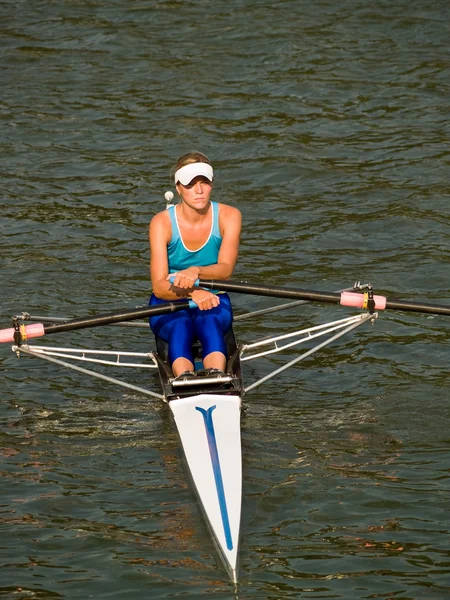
(357, 300)
(32, 331)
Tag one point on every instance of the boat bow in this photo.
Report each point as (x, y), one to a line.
(209, 429)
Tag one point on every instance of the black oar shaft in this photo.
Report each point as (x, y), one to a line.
(275, 292)
(420, 307)
(316, 296)
(117, 317)
(19, 333)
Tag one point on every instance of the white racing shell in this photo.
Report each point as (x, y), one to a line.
(209, 428)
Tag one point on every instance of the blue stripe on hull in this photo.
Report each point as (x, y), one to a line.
(212, 443)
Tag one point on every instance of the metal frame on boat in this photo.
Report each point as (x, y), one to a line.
(206, 406)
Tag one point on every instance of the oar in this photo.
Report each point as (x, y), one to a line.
(20, 333)
(365, 300)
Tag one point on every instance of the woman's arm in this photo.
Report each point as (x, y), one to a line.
(230, 222)
(160, 232)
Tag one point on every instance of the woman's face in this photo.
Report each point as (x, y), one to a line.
(196, 194)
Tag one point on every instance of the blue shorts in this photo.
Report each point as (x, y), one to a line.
(182, 328)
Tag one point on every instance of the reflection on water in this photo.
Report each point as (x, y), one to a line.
(327, 126)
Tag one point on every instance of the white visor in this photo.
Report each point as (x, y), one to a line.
(189, 172)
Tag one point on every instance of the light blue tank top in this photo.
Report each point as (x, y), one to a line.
(181, 257)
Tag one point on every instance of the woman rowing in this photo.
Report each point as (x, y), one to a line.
(194, 239)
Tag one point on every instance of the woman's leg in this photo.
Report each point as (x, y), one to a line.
(210, 328)
(177, 329)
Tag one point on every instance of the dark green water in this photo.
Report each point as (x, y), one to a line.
(327, 124)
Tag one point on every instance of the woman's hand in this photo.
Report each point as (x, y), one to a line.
(186, 278)
(204, 299)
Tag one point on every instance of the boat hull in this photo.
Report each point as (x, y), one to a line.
(209, 429)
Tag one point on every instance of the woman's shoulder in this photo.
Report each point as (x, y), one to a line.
(161, 221)
(230, 219)
(161, 217)
(227, 211)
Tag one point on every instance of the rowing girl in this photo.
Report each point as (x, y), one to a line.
(196, 238)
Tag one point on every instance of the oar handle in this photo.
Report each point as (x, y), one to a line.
(172, 281)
